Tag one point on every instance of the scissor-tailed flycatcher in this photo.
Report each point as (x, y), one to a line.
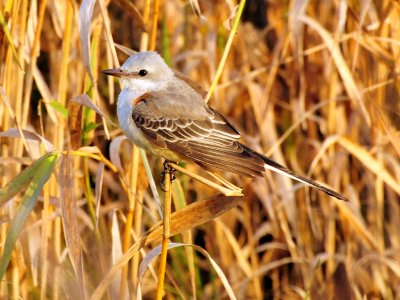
(166, 115)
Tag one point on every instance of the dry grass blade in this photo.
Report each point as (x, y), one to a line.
(86, 101)
(29, 135)
(152, 183)
(85, 18)
(180, 200)
(10, 110)
(42, 174)
(157, 251)
(264, 269)
(370, 162)
(357, 225)
(390, 129)
(114, 152)
(9, 37)
(347, 77)
(91, 152)
(242, 261)
(298, 80)
(116, 252)
(231, 190)
(194, 215)
(190, 217)
(99, 189)
(196, 8)
(124, 49)
(106, 23)
(69, 212)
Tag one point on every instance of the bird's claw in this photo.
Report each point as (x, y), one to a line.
(167, 169)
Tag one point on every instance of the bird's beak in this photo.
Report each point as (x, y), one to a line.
(115, 72)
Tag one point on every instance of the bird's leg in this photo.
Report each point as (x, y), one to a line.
(167, 169)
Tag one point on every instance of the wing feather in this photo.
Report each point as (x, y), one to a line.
(207, 139)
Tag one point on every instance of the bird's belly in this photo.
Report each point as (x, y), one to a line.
(132, 132)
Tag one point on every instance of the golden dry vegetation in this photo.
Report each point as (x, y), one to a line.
(313, 84)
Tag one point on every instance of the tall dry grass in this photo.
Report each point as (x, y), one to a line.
(313, 84)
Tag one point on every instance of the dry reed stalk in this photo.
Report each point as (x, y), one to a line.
(289, 84)
(166, 231)
(126, 243)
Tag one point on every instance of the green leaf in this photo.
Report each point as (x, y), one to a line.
(60, 108)
(91, 126)
(40, 177)
(21, 180)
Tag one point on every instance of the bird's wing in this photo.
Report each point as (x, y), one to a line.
(201, 134)
(197, 133)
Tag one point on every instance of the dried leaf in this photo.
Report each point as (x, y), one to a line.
(75, 124)
(9, 37)
(90, 149)
(98, 189)
(126, 50)
(356, 223)
(114, 152)
(34, 252)
(193, 215)
(86, 101)
(196, 9)
(116, 253)
(69, 212)
(152, 183)
(229, 22)
(29, 135)
(109, 37)
(241, 259)
(85, 18)
(156, 251)
(371, 163)
(344, 70)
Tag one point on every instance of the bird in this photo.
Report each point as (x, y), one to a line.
(165, 113)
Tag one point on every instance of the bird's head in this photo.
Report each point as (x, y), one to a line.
(143, 70)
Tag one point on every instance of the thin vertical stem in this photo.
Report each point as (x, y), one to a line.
(153, 36)
(226, 50)
(168, 170)
(129, 218)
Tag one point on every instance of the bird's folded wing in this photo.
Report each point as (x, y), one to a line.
(207, 139)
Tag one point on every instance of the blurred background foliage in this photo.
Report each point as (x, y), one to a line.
(313, 84)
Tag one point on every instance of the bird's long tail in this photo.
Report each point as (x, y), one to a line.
(275, 167)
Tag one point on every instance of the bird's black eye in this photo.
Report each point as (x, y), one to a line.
(142, 72)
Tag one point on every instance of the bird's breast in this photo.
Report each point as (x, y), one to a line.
(125, 106)
(124, 113)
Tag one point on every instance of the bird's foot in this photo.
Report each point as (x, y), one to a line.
(167, 170)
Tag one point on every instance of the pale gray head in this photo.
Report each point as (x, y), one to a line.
(146, 71)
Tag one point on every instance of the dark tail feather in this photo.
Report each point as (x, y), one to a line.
(275, 167)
